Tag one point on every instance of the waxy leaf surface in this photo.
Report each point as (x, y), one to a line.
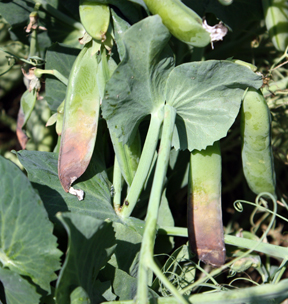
(42, 172)
(207, 97)
(17, 289)
(91, 244)
(135, 89)
(27, 245)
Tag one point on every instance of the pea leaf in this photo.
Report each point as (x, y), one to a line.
(207, 97)
(120, 27)
(42, 172)
(27, 245)
(17, 289)
(136, 86)
(128, 245)
(91, 244)
(61, 58)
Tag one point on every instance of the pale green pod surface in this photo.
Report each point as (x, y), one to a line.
(182, 22)
(95, 18)
(81, 113)
(205, 227)
(276, 19)
(257, 157)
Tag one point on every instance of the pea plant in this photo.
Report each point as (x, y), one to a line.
(133, 109)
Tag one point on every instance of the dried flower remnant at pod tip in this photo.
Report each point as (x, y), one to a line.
(32, 81)
(33, 24)
(217, 31)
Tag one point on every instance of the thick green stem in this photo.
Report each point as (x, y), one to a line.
(269, 249)
(127, 156)
(146, 254)
(34, 44)
(144, 164)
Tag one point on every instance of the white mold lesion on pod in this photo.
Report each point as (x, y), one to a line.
(77, 192)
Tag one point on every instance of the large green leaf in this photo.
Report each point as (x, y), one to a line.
(135, 90)
(207, 97)
(120, 27)
(124, 285)
(128, 245)
(91, 244)
(60, 58)
(27, 245)
(17, 289)
(42, 172)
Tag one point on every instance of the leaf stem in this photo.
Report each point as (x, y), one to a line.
(146, 254)
(63, 79)
(144, 164)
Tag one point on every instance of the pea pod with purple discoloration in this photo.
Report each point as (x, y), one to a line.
(205, 227)
(81, 112)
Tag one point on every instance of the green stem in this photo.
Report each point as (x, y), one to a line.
(269, 249)
(147, 248)
(58, 75)
(30, 62)
(282, 268)
(59, 15)
(144, 164)
(34, 49)
(127, 156)
(117, 178)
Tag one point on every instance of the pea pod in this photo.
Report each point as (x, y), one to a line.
(81, 112)
(276, 19)
(27, 105)
(257, 157)
(205, 227)
(182, 22)
(95, 18)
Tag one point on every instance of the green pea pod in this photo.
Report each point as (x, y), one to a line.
(95, 18)
(257, 157)
(276, 19)
(205, 227)
(182, 22)
(81, 112)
